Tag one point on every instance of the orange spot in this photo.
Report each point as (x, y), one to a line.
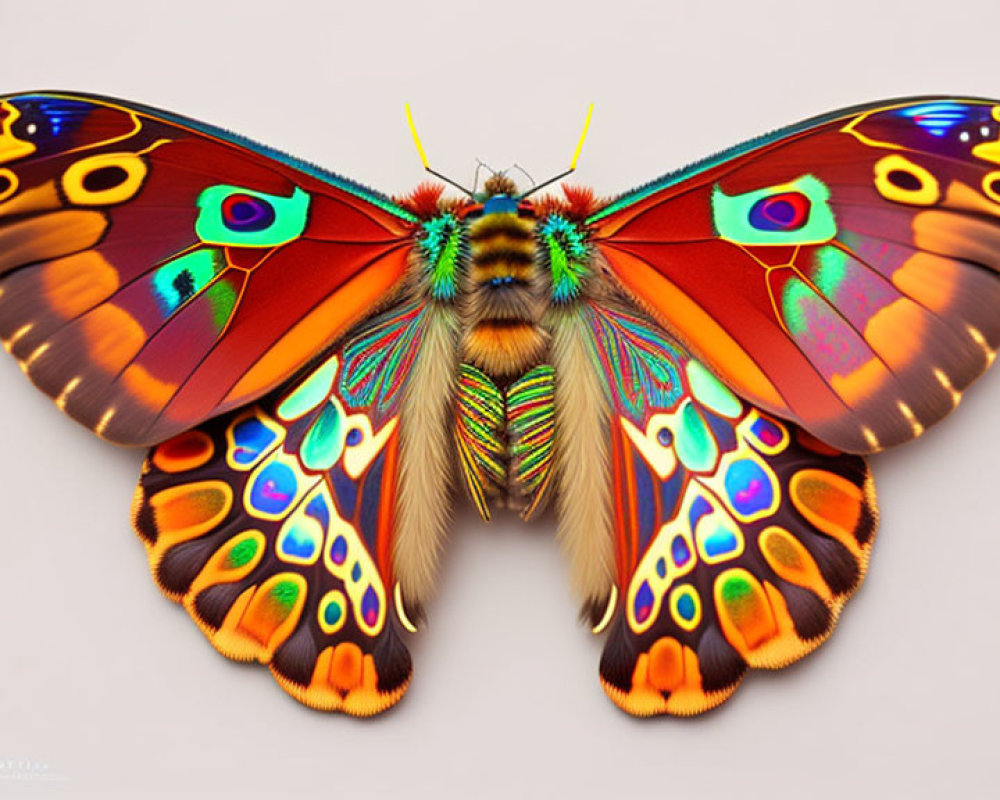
(150, 391)
(831, 503)
(862, 383)
(321, 326)
(78, 283)
(791, 561)
(347, 666)
(188, 451)
(35, 200)
(711, 343)
(189, 510)
(49, 236)
(666, 664)
(744, 613)
(929, 279)
(896, 332)
(274, 610)
(113, 336)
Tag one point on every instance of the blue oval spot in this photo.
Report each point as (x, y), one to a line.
(661, 567)
(250, 438)
(679, 551)
(720, 543)
(299, 542)
(749, 487)
(356, 571)
(665, 436)
(643, 602)
(369, 607)
(338, 550)
(354, 437)
(274, 489)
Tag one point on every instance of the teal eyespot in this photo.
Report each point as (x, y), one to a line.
(240, 217)
(790, 213)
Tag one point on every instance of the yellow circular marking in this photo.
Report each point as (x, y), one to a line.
(333, 597)
(676, 596)
(900, 180)
(991, 185)
(8, 177)
(104, 179)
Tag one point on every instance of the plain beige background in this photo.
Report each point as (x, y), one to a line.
(108, 690)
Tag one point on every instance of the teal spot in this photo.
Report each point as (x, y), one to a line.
(324, 442)
(710, 392)
(310, 393)
(695, 445)
(286, 217)
(332, 613)
(732, 215)
(686, 607)
(179, 280)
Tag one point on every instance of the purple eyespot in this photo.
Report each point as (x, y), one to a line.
(246, 214)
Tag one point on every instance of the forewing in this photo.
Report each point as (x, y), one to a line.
(738, 538)
(841, 273)
(155, 271)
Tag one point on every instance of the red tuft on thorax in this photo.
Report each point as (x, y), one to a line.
(424, 202)
(579, 203)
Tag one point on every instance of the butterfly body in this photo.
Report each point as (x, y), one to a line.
(691, 374)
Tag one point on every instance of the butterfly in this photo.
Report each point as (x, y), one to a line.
(691, 374)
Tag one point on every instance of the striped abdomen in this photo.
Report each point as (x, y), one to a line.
(504, 298)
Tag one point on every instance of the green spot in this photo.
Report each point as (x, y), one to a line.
(695, 445)
(710, 392)
(290, 217)
(442, 248)
(310, 393)
(284, 594)
(794, 297)
(736, 592)
(832, 270)
(179, 280)
(732, 215)
(567, 255)
(241, 554)
(324, 442)
(222, 298)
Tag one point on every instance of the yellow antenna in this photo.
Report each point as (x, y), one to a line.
(423, 155)
(572, 164)
(416, 139)
(579, 145)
